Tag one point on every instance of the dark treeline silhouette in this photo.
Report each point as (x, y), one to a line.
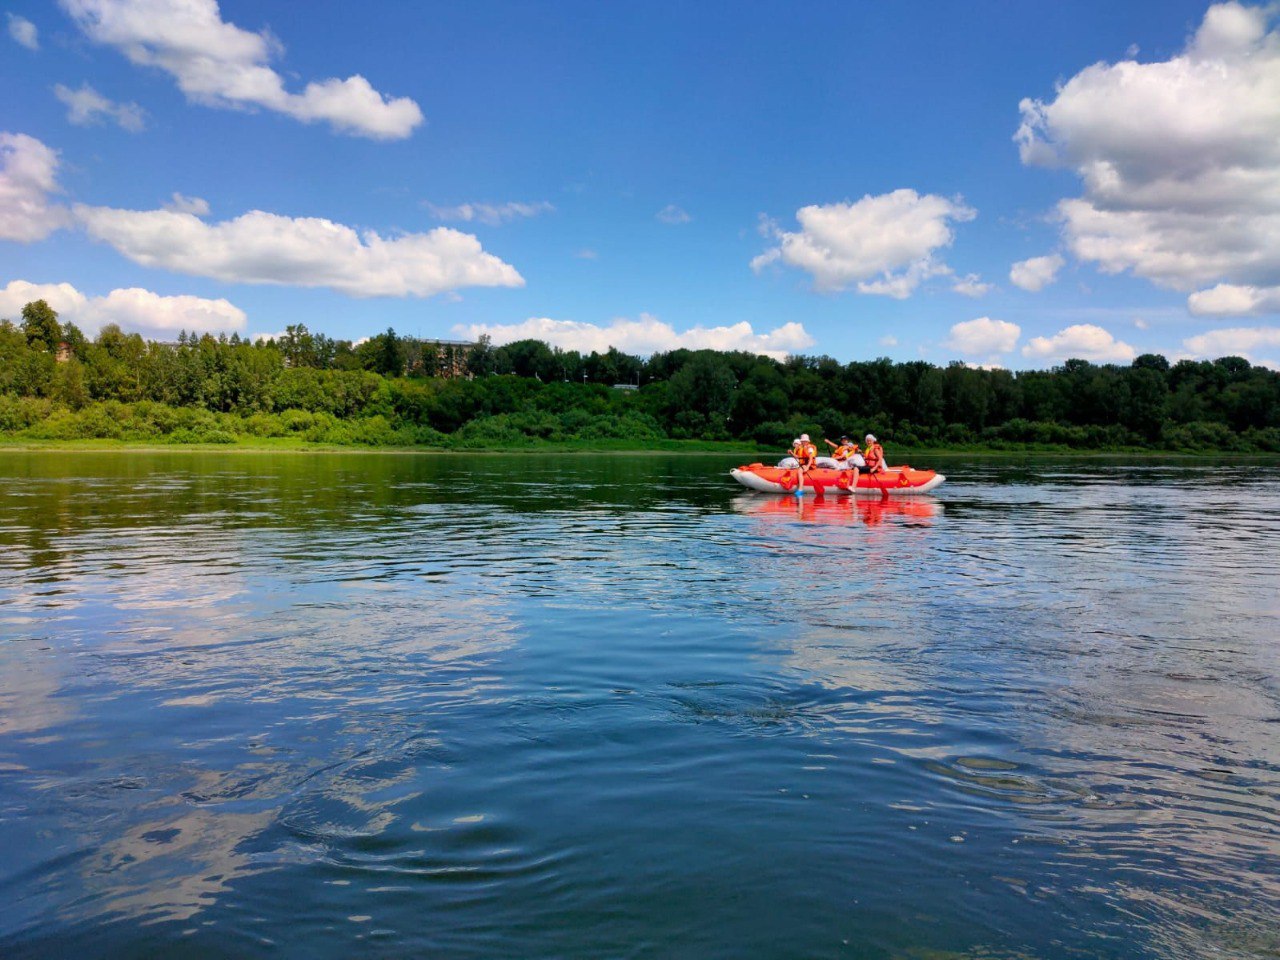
(55, 383)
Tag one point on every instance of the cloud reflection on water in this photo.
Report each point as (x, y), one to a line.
(378, 682)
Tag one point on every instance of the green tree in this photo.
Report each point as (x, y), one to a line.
(701, 396)
(40, 324)
(384, 354)
(1146, 397)
(480, 359)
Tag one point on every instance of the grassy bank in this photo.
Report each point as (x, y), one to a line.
(742, 452)
(43, 424)
(299, 445)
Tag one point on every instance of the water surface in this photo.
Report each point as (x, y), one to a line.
(549, 706)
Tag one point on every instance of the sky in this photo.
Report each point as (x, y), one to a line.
(1004, 184)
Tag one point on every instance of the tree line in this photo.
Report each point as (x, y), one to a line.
(56, 383)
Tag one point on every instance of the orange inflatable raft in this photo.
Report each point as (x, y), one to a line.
(894, 481)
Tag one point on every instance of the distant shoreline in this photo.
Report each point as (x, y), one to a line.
(584, 448)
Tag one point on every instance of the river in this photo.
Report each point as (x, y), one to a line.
(337, 705)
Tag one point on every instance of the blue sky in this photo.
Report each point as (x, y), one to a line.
(836, 178)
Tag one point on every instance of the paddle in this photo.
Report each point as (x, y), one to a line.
(884, 492)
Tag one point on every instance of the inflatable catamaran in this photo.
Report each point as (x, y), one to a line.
(826, 478)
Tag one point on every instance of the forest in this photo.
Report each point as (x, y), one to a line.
(58, 384)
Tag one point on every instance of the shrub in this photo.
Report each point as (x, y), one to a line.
(373, 432)
(20, 413)
(771, 433)
(297, 421)
(263, 425)
(1199, 436)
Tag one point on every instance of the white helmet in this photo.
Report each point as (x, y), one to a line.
(871, 437)
(804, 437)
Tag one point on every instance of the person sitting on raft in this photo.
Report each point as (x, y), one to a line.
(843, 452)
(805, 452)
(874, 455)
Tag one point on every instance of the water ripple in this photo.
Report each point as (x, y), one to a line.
(345, 705)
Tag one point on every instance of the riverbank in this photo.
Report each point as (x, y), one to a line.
(743, 451)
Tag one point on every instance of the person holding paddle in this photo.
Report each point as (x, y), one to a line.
(873, 454)
(805, 453)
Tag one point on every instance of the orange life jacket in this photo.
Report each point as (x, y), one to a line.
(806, 453)
(844, 451)
(874, 455)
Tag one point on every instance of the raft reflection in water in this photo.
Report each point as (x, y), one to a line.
(839, 511)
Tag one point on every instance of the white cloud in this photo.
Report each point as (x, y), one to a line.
(135, 308)
(673, 215)
(1037, 273)
(260, 247)
(886, 244)
(28, 174)
(586, 253)
(1179, 159)
(1231, 300)
(257, 247)
(63, 297)
(24, 32)
(1235, 342)
(888, 340)
(971, 285)
(193, 205)
(220, 65)
(132, 308)
(1141, 324)
(1084, 341)
(644, 336)
(492, 214)
(983, 336)
(87, 106)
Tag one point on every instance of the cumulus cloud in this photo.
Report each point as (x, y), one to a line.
(1084, 341)
(220, 65)
(63, 297)
(86, 107)
(132, 308)
(492, 214)
(644, 336)
(24, 32)
(28, 175)
(260, 247)
(673, 215)
(886, 244)
(1179, 159)
(257, 247)
(983, 337)
(971, 285)
(1236, 342)
(1231, 300)
(1037, 273)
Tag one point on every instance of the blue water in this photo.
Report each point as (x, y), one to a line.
(391, 706)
